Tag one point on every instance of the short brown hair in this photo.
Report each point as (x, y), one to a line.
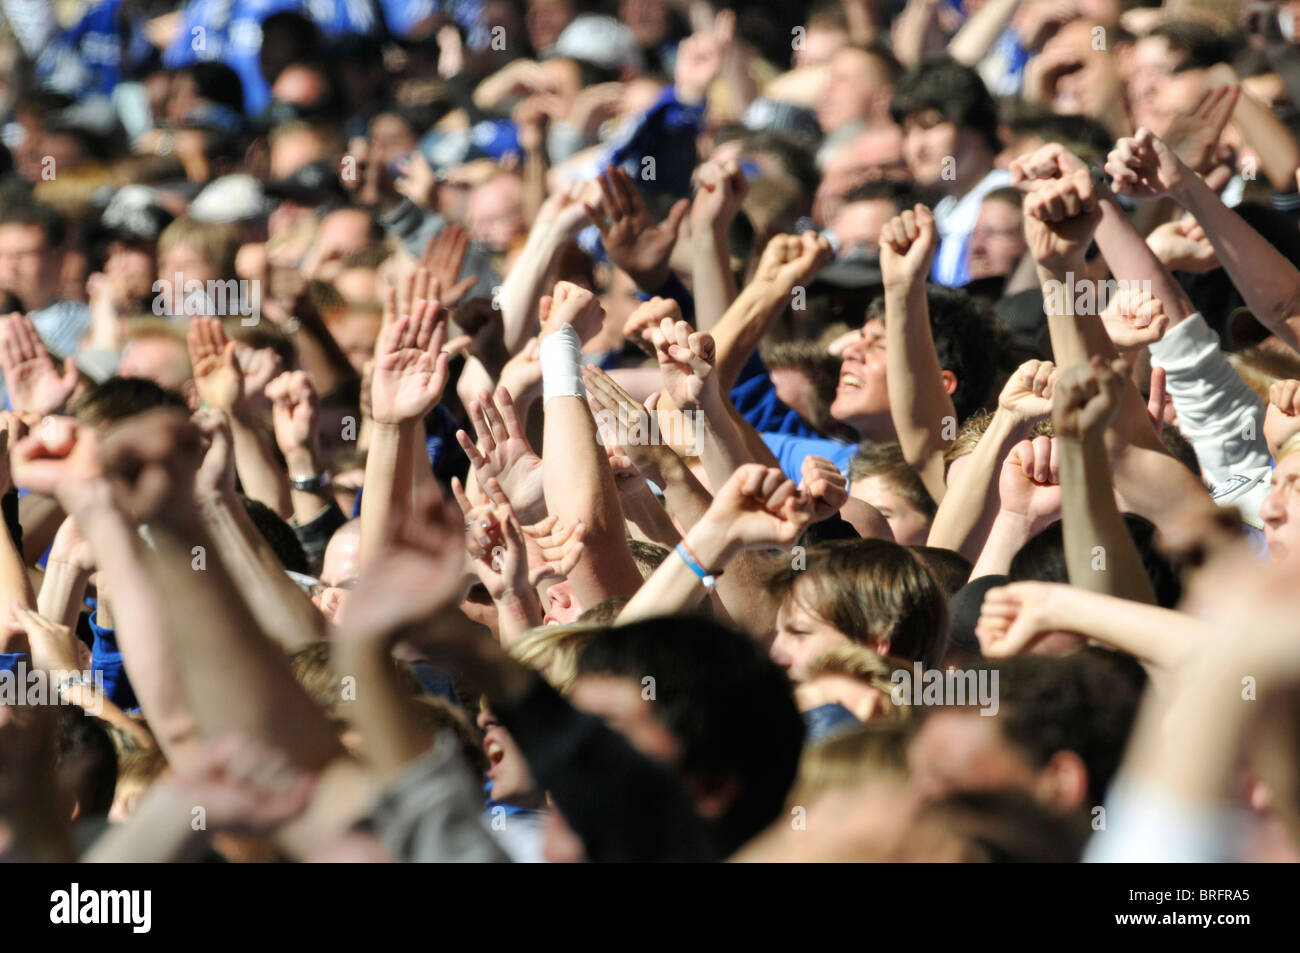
(872, 591)
(885, 460)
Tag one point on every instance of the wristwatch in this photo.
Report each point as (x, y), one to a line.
(311, 484)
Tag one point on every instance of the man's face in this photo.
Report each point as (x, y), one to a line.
(1150, 63)
(189, 264)
(29, 268)
(1086, 81)
(165, 361)
(911, 527)
(997, 242)
(820, 44)
(341, 234)
(962, 750)
(132, 267)
(852, 90)
(496, 213)
(858, 224)
(294, 149)
(801, 636)
(512, 781)
(930, 145)
(862, 397)
(1281, 509)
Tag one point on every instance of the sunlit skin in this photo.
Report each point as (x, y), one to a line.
(512, 781)
(29, 267)
(801, 636)
(911, 527)
(858, 224)
(1281, 509)
(862, 397)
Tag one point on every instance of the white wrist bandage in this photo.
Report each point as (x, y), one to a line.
(561, 356)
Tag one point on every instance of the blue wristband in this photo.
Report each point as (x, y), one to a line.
(707, 578)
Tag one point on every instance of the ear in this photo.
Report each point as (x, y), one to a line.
(1064, 782)
(949, 382)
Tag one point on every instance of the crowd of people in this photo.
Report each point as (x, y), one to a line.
(551, 430)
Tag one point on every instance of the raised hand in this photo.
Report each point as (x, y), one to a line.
(410, 370)
(419, 572)
(760, 507)
(617, 413)
(151, 460)
(58, 459)
(700, 57)
(824, 486)
(1030, 483)
(631, 238)
(1052, 161)
(259, 366)
(570, 304)
(217, 372)
(792, 260)
(1193, 135)
(443, 257)
(495, 542)
(243, 786)
(1027, 394)
(1013, 617)
(1182, 245)
(1282, 418)
(1087, 398)
(1134, 319)
(295, 417)
(1060, 218)
(1143, 166)
(504, 454)
(686, 358)
(215, 479)
(553, 548)
(907, 246)
(720, 191)
(33, 382)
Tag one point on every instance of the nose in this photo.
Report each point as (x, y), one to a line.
(1272, 510)
(778, 652)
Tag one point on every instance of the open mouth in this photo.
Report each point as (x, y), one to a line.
(495, 753)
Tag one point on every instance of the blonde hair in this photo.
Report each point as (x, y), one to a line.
(552, 650)
(218, 243)
(872, 753)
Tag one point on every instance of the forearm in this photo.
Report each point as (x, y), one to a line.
(719, 439)
(282, 609)
(15, 585)
(382, 711)
(966, 512)
(1272, 141)
(62, 591)
(234, 678)
(579, 486)
(1156, 486)
(140, 626)
(713, 285)
(1009, 532)
(259, 474)
(674, 587)
(1154, 636)
(525, 284)
(918, 402)
(1266, 279)
(1100, 555)
(978, 34)
(518, 612)
(40, 517)
(160, 831)
(1132, 262)
(643, 511)
(686, 497)
(304, 463)
(387, 485)
(742, 326)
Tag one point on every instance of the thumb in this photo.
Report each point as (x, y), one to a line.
(676, 214)
(70, 373)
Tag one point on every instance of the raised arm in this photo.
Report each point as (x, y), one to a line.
(578, 484)
(1100, 555)
(919, 399)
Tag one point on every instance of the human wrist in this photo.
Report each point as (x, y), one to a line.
(301, 462)
(711, 542)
